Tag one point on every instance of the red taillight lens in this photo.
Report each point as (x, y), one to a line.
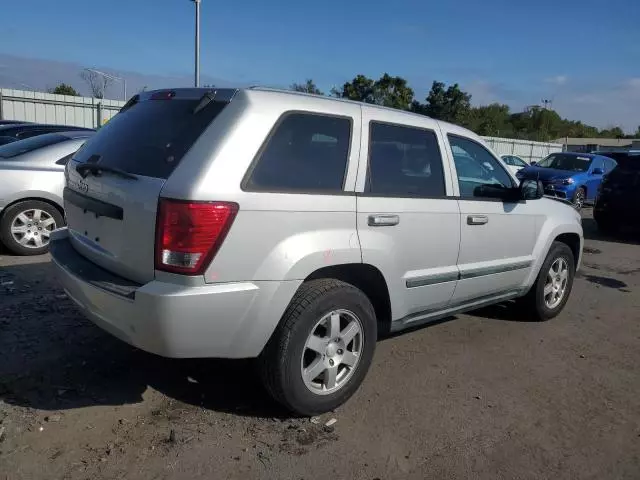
(188, 234)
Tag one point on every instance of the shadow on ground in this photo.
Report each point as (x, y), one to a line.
(626, 236)
(52, 358)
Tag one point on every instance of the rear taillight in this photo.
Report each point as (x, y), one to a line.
(188, 234)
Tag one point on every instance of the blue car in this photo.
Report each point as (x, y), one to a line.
(574, 177)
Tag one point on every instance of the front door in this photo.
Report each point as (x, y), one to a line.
(594, 179)
(497, 238)
(407, 225)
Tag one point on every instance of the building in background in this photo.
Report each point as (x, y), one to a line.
(571, 144)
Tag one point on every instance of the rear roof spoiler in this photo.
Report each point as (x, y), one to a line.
(224, 95)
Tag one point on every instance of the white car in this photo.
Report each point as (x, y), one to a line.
(515, 164)
(264, 224)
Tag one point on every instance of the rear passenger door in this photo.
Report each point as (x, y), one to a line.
(497, 237)
(406, 224)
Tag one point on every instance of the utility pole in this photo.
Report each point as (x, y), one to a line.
(197, 59)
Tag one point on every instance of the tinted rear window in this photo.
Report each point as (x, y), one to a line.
(151, 137)
(304, 153)
(20, 147)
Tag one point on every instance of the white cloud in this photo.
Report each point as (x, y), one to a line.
(558, 80)
(603, 105)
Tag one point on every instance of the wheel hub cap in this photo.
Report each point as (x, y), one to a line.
(332, 352)
(32, 228)
(556, 284)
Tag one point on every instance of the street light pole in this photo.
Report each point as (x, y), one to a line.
(197, 59)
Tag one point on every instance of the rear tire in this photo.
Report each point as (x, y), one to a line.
(322, 349)
(25, 227)
(543, 301)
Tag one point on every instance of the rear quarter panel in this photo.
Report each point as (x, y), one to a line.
(276, 235)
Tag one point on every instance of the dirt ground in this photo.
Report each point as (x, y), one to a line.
(478, 396)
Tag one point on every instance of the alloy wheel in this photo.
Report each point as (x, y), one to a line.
(556, 284)
(32, 228)
(332, 352)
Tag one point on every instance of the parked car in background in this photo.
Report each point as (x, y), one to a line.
(11, 122)
(618, 201)
(13, 132)
(31, 184)
(291, 227)
(574, 177)
(514, 163)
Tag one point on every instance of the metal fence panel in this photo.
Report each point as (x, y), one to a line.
(527, 150)
(43, 107)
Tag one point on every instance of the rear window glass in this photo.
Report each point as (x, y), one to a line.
(305, 153)
(151, 137)
(14, 149)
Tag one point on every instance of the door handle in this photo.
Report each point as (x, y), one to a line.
(477, 220)
(383, 220)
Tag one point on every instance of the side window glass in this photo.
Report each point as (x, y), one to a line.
(305, 153)
(509, 160)
(518, 162)
(476, 166)
(597, 163)
(404, 162)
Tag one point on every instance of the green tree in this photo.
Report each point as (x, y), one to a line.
(359, 89)
(392, 92)
(614, 132)
(492, 120)
(387, 91)
(307, 87)
(450, 104)
(64, 89)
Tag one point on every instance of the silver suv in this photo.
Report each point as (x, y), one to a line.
(296, 228)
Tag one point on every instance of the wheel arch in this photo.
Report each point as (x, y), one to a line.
(368, 279)
(572, 240)
(36, 198)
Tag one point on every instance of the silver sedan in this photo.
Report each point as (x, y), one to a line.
(31, 184)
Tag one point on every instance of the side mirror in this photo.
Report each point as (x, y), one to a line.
(597, 171)
(531, 189)
(533, 162)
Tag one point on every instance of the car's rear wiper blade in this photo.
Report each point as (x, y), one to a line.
(85, 169)
(205, 100)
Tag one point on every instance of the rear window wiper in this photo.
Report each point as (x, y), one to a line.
(205, 100)
(85, 169)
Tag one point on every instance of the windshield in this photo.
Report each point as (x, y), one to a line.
(27, 145)
(564, 161)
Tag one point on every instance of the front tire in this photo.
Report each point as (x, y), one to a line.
(322, 349)
(25, 227)
(551, 290)
(579, 198)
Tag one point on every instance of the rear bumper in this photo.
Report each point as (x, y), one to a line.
(228, 320)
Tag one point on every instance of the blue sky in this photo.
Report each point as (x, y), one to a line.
(585, 55)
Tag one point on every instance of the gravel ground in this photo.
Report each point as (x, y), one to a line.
(477, 396)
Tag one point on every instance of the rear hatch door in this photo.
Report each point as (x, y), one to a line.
(114, 181)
